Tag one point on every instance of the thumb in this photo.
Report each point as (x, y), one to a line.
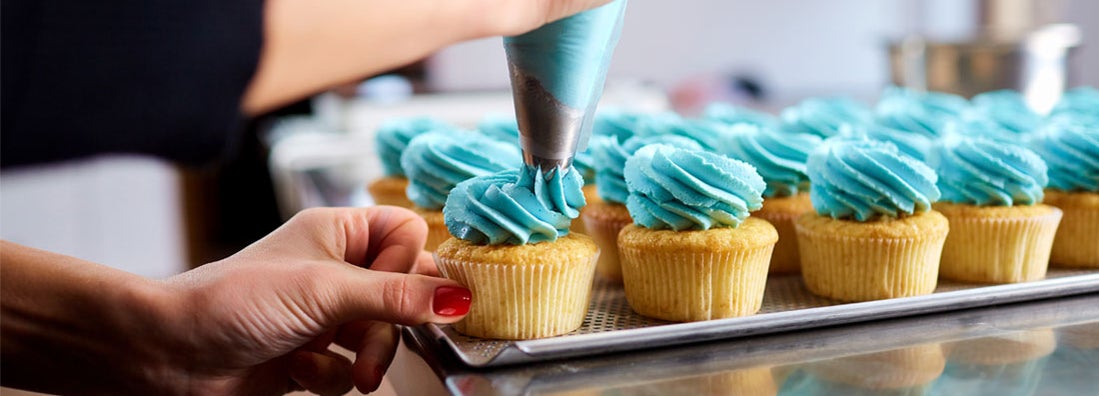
(398, 298)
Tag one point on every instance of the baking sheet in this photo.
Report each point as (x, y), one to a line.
(611, 326)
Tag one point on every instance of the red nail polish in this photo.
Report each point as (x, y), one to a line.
(452, 301)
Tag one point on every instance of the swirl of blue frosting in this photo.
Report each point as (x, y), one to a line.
(610, 161)
(393, 137)
(924, 113)
(506, 129)
(778, 157)
(1071, 151)
(912, 144)
(1078, 102)
(711, 135)
(1005, 108)
(437, 161)
(678, 189)
(618, 123)
(858, 178)
(515, 206)
(979, 171)
(731, 115)
(825, 117)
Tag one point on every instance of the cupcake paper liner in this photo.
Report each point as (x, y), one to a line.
(515, 302)
(390, 191)
(998, 249)
(850, 268)
(604, 231)
(786, 258)
(1076, 244)
(688, 286)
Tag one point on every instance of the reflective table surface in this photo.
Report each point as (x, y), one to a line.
(1046, 347)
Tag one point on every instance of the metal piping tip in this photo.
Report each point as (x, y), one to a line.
(549, 131)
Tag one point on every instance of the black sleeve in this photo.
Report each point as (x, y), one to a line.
(160, 77)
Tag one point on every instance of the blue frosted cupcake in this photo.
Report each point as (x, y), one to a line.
(391, 140)
(780, 158)
(825, 117)
(924, 113)
(874, 235)
(1070, 147)
(731, 115)
(991, 194)
(435, 162)
(529, 276)
(693, 253)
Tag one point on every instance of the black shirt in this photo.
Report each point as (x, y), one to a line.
(161, 77)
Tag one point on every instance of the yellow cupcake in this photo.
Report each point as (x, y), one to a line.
(437, 232)
(603, 221)
(903, 368)
(997, 244)
(1076, 244)
(696, 275)
(390, 190)
(590, 196)
(781, 212)
(522, 291)
(860, 261)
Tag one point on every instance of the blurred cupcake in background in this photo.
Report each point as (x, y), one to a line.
(693, 253)
(391, 140)
(873, 235)
(1005, 364)
(435, 162)
(825, 117)
(711, 135)
(604, 218)
(924, 113)
(1070, 147)
(991, 194)
(618, 123)
(1081, 104)
(780, 159)
(1000, 115)
(914, 145)
(729, 114)
(530, 277)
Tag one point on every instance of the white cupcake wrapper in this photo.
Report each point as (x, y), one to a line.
(605, 235)
(998, 250)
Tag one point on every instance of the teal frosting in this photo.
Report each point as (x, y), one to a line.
(393, 137)
(1071, 151)
(1005, 108)
(912, 144)
(778, 157)
(679, 189)
(516, 206)
(621, 124)
(610, 161)
(506, 129)
(437, 161)
(979, 171)
(711, 135)
(825, 117)
(918, 112)
(858, 178)
(1078, 102)
(730, 115)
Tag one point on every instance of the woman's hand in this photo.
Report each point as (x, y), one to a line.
(258, 322)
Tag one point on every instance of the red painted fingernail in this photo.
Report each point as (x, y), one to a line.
(452, 301)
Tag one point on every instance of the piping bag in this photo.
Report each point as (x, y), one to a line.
(557, 74)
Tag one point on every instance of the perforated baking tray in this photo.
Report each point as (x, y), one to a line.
(611, 326)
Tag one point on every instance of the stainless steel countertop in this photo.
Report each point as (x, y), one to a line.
(1046, 347)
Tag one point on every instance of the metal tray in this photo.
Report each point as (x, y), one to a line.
(611, 326)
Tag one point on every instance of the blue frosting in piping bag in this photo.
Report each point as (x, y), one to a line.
(557, 74)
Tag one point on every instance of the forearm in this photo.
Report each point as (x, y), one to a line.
(72, 326)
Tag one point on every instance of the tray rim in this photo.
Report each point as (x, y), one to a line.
(539, 350)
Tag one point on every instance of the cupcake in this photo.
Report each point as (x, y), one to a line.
(1004, 113)
(825, 117)
(1078, 103)
(529, 276)
(617, 123)
(693, 253)
(991, 194)
(1070, 147)
(874, 235)
(711, 135)
(391, 140)
(731, 115)
(506, 129)
(603, 219)
(435, 162)
(780, 160)
(925, 113)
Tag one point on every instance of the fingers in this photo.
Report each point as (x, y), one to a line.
(375, 344)
(351, 293)
(397, 238)
(425, 265)
(325, 373)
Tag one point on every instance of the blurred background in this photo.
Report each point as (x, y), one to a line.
(155, 219)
